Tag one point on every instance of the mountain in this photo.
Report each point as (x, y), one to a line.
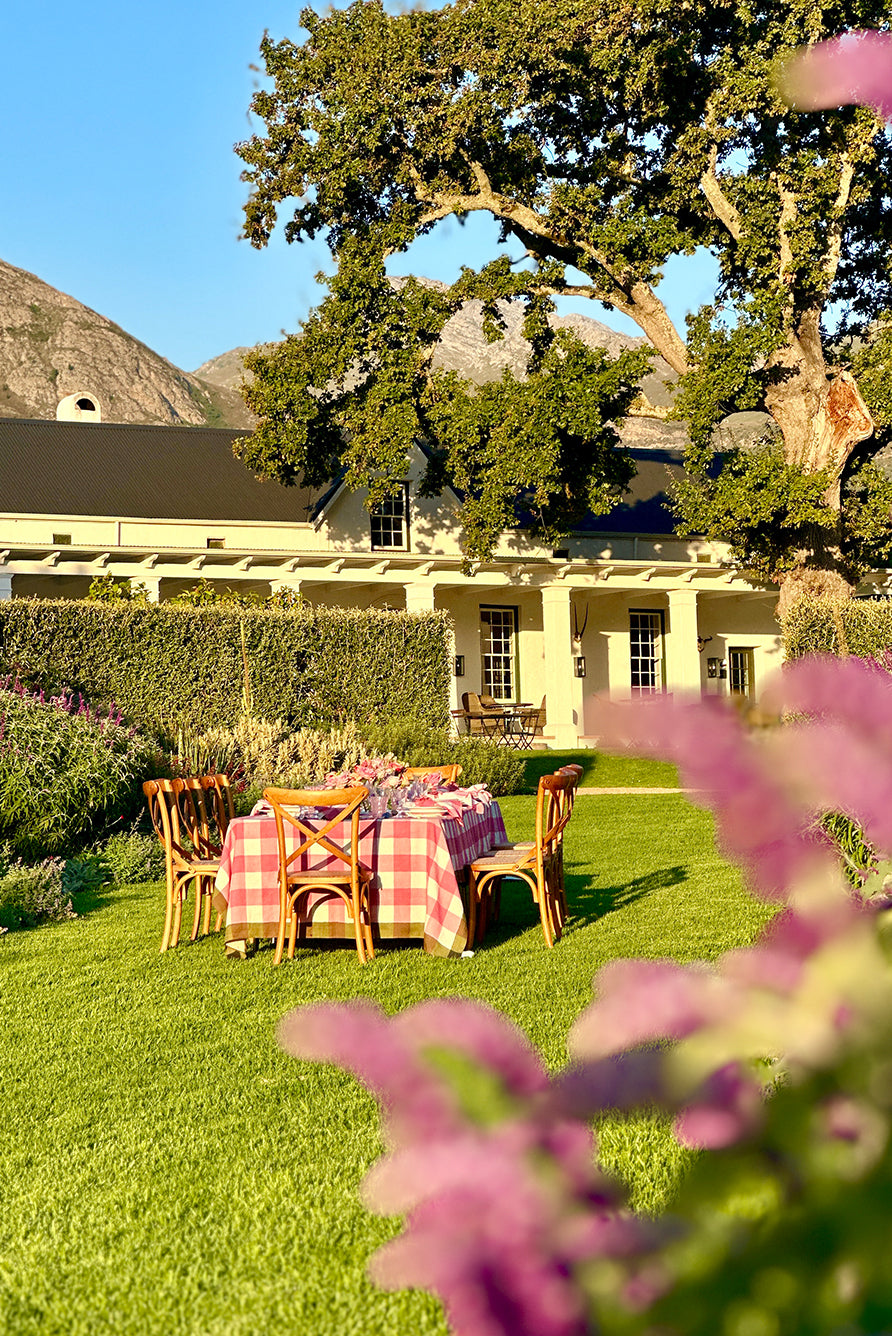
(464, 349)
(52, 345)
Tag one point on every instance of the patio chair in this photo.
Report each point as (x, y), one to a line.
(530, 723)
(168, 801)
(448, 773)
(566, 801)
(200, 815)
(348, 878)
(219, 799)
(482, 721)
(538, 865)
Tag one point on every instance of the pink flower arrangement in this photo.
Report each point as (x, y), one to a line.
(375, 772)
(776, 1059)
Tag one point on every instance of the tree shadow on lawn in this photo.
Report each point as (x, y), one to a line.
(586, 903)
(87, 903)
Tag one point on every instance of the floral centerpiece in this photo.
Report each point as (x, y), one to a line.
(383, 776)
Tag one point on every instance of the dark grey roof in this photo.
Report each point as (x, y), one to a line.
(151, 472)
(644, 508)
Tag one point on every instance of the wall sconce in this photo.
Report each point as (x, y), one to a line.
(716, 668)
(458, 665)
(702, 642)
(579, 665)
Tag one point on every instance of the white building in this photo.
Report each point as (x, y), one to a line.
(624, 608)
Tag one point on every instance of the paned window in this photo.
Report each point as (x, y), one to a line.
(390, 521)
(741, 674)
(646, 652)
(499, 637)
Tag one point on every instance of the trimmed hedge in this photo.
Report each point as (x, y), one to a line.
(161, 663)
(833, 626)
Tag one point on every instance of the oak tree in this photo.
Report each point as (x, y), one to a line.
(604, 136)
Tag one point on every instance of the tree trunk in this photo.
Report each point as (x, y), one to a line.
(821, 418)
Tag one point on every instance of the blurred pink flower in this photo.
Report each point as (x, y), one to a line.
(854, 67)
(642, 1000)
(758, 825)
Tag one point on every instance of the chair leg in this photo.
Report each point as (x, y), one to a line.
(179, 897)
(168, 918)
(543, 898)
(280, 939)
(196, 918)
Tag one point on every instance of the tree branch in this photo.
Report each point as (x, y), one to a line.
(632, 297)
(834, 235)
(718, 201)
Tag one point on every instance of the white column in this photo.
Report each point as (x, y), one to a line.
(292, 585)
(682, 657)
(563, 690)
(153, 588)
(5, 586)
(420, 597)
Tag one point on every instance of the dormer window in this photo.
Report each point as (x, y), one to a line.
(390, 522)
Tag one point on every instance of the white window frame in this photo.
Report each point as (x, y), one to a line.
(393, 510)
(642, 621)
(499, 669)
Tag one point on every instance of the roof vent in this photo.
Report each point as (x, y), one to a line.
(80, 407)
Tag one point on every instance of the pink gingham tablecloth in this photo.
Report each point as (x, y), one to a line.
(415, 892)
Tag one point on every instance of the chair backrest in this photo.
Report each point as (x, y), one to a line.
(162, 796)
(489, 702)
(470, 702)
(343, 804)
(197, 808)
(575, 772)
(448, 773)
(219, 799)
(553, 810)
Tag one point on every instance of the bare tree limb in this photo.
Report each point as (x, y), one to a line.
(718, 201)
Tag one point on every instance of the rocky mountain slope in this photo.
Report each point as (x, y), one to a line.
(464, 349)
(51, 346)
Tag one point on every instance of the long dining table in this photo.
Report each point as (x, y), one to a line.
(418, 858)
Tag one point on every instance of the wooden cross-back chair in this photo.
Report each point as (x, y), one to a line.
(172, 807)
(348, 878)
(566, 800)
(537, 864)
(448, 773)
(219, 799)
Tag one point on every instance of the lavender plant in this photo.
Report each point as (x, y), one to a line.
(776, 1062)
(65, 771)
(32, 895)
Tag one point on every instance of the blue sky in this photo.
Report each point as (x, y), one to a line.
(120, 185)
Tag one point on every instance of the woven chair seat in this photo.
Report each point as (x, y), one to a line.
(504, 858)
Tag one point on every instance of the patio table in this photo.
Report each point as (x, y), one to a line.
(415, 892)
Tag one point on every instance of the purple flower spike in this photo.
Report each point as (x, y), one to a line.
(854, 67)
(643, 1000)
(495, 1239)
(358, 1036)
(479, 1031)
(728, 1106)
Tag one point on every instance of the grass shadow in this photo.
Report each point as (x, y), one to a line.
(90, 902)
(587, 904)
(600, 770)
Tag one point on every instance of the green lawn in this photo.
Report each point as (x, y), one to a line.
(166, 1169)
